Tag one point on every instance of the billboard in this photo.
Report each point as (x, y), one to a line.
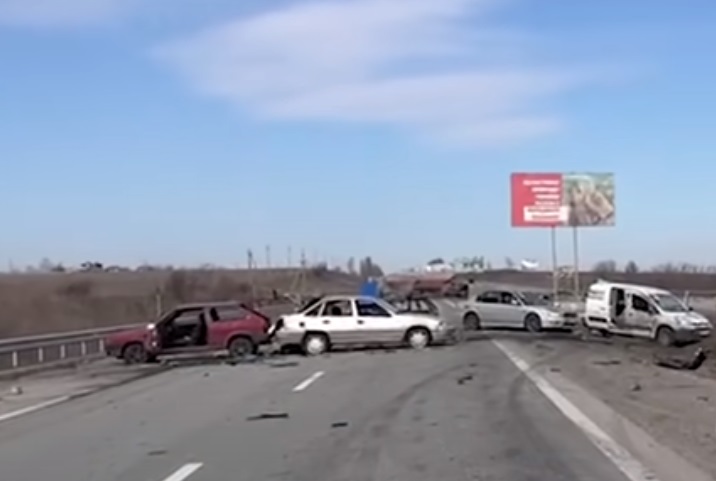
(559, 200)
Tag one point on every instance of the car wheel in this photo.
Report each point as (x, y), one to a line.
(240, 347)
(665, 336)
(533, 323)
(134, 353)
(418, 338)
(315, 344)
(471, 322)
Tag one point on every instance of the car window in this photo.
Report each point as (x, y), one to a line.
(313, 311)
(367, 308)
(228, 313)
(638, 303)
(186, 316)
(508, 298)
(338, 308)
(489, 297)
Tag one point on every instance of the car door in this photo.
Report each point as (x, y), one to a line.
(513, 312)
(638, 313)
(489, 307)
(226, 321)
(338, 320)
(376, 324)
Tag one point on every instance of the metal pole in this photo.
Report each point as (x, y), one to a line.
(575, 249)
(555, 279)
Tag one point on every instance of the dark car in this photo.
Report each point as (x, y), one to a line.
(201, 327)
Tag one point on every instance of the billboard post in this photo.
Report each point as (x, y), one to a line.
(563, 200)
(555, 278)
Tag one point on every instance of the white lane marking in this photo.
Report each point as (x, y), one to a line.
(308, 381)
(184, 472)
(33, 408)
(623, 460)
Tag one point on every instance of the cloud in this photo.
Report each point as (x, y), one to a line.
(441, 67)
(59, 13)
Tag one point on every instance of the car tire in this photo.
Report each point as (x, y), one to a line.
(471, 322)
(315, 344)
(134, 353)
(665, 336)
(533, 323)
(418, 338)
(241, 347)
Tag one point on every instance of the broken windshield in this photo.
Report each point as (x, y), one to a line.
(669, 303)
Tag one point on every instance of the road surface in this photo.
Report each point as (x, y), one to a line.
(455, 413)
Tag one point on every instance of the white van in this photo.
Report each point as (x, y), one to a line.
(642, 311)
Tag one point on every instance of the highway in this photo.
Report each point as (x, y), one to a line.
(462, 412)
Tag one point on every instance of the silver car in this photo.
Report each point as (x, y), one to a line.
(528, 310)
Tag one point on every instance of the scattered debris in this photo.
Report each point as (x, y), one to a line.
(268, 416)
(243, 360)
(285, 364)
(464, 379)
(555, 369)
(608, 362)
(16, 390)
(636, 387)
(339, 424)
(157, 452)
(692, 364)
(206, 374)
(703, 398)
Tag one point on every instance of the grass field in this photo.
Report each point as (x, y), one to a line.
(45, 303)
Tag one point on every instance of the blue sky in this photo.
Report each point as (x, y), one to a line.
(188, 131)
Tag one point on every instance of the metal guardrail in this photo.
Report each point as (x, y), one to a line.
(33, 351)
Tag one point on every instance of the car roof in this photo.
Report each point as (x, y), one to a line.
(646, 289)
(348, 297)
(209, 304)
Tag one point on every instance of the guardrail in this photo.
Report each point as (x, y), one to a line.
(34, 351)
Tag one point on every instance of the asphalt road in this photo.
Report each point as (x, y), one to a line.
(455, 413)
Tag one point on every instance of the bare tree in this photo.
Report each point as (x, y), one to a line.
(631, 267)
(605, 266)
(509, 263)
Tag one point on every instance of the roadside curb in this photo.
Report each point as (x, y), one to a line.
(13, 374)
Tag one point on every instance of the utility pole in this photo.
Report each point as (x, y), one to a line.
(268, 256)
(289, 257)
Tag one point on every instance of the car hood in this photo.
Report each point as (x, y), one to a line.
(693, 318)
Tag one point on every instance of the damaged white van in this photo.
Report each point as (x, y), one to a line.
(642, 311)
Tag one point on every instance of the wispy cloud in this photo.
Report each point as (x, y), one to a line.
(59, 13)
(443, 67)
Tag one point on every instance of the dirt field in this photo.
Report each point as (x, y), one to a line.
(44, 303)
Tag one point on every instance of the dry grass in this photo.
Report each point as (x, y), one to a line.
(43, 303)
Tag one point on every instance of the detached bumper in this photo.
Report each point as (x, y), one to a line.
(692, 335)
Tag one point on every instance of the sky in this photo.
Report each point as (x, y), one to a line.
(188, 131)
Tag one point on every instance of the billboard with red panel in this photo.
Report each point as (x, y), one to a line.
(557, 199)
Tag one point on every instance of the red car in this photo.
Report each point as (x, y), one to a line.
(193, 328)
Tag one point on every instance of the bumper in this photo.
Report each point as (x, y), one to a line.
(446, 335)
(559, 323)
(287, 338)
(692, 335)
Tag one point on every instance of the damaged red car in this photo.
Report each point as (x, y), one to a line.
(193, 328)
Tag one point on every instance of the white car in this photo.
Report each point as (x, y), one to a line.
(351, 321)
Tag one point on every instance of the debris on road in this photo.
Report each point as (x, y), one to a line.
(157, 452)
(464, 379)
(261, 416)
(679, 363)
(607, 362)
(339, 424)
(285, 364)
(16, 390)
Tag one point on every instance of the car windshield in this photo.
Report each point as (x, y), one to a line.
(669, 303)
(536, 298)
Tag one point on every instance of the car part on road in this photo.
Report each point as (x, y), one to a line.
(261, 416)
(471, 322)
(691, 364)
(340, 424)
(315, 344)
(665, 336)
(418, 337)
(533, 323)
(134, 353)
